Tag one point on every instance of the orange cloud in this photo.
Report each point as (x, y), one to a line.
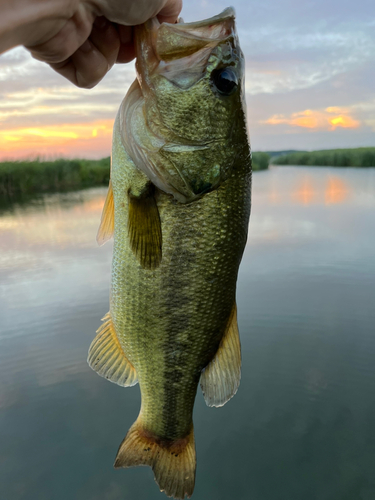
(344, 121)
(327, 119)
(80, 140)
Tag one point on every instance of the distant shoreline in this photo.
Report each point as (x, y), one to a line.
(19, 178)
(356, 158)
(24, 178)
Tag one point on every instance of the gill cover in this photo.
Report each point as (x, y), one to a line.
(176, 123)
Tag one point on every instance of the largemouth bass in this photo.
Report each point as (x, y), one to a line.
(178, 206)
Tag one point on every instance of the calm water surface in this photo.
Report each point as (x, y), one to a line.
(302, 426)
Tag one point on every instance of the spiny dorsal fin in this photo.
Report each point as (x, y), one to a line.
(173, 462)
(107, 358)
(221, 377)
(144, 228)
(107, 223)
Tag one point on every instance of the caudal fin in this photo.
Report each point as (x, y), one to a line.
(173, 462)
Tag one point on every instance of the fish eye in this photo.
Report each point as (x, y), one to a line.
(225, 80)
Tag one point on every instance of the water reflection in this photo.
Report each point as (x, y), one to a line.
(302, 424)
(305, 193)
(337, 191)
(316, 186)
(59, 220)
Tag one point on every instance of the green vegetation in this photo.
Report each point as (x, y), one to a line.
(25, 177)
(19, 178)
(360, 157)
(260, 161)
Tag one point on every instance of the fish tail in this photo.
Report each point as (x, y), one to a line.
(173, 462)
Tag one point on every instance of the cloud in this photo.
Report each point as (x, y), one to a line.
(90, 140)
(302, 60)
(328, 119)
(32, 94)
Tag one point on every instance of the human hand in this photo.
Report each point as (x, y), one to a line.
(80, 39)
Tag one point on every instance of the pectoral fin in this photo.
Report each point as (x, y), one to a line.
(221, 377)
(107, 223)
(107, 358)
(144, 228)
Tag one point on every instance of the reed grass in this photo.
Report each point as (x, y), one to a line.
(18, 178)
(260, 161)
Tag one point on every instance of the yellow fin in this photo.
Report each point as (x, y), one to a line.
(173, 462)
(107, 223)
(107, 358)
(144, 228)
(221, 377)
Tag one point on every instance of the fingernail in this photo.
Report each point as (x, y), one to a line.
(101, 22)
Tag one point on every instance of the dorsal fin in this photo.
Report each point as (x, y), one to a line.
(107, 223)
(107, 358)
(144, 228)
(221, 377)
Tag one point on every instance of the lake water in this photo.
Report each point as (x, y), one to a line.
(301, 427)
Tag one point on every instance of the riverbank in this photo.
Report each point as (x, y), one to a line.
(359, 157)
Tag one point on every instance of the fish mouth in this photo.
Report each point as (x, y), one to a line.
(180, 39)
(229, 12)
(165, 48)
(213, 28)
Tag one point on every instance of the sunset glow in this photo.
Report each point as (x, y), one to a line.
(66, 140)
(344, 121)
(328, 119)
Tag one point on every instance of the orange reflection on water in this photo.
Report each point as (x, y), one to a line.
(52, 225)
(336, 191)
(305, 193)
(274, 196)
(93, 206)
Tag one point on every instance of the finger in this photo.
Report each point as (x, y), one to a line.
(170, 12)
(127, 49)
(62, 45)
(138, 11)
(90, 63)
(106, 39)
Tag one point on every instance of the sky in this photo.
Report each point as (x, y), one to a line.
(310, 84)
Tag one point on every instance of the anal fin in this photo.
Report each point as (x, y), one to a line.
(221, 377)
(144, 228)
(107, 358)
(107, 223)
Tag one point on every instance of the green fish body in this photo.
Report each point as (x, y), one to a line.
(178, 207)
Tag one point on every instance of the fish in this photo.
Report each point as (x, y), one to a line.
(178, 208)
